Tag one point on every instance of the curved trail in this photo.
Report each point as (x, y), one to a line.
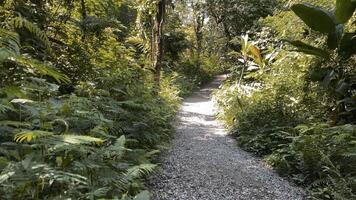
(206, 164)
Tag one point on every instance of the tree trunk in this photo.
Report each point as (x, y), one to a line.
(84, 16)
(199, 17)
(199, 32)
(158, 40)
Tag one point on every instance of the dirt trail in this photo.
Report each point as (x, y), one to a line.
(206, 164)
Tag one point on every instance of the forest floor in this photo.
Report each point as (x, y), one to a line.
(205, 163)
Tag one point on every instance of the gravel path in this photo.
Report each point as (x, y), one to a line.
(206, 164)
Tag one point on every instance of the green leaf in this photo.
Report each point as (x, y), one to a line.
(342, 87)
(144, 195)
(42, 69)
(77, 139)
(344, 10)
(21, 101)
(20, 22)
(316, 18)
(28, 136)
(308, 49)
(348, 43)
(15, 124)
(335, 38)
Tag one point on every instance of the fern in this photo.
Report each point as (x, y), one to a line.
(10, 49)
(41, 68)
(20, 22)
(140, 170)
(5, 108)
(29, 136)
(16, 124)
(9, 44)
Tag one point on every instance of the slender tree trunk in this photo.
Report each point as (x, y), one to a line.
(199, 33)
(83, 9)
(158, 40)
(84, 16)
(199, 18)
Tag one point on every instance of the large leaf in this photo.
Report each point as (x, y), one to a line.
(308, 49)
(316, 18)
(348, 43)
(344, 10)
(335, 38)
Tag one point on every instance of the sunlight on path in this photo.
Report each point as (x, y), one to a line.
(205, 163)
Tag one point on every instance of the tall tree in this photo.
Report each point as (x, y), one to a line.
(158, 39)
(199, 19)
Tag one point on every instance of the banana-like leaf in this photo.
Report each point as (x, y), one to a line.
(348, 43)
(335, 38)
(308, 49)
(342, 87)
(344, 10)
(316, 18)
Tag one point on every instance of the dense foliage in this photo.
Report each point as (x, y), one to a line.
(80, 114)
(89, 89)
(297, 109)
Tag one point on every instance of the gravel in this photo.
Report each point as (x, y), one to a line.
(205, 163)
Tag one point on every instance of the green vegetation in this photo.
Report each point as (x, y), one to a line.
(81, 116)
(89, 89)
(298, 109)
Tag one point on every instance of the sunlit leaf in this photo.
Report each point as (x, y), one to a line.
(308, 49)
(316, 18)
(344, 10)
(28, 136)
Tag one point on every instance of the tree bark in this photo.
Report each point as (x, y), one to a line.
(158, 40)
(198, 27)
(84, 16)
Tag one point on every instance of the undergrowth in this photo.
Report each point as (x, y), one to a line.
(292, 109)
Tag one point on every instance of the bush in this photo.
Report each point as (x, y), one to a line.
(322, 158)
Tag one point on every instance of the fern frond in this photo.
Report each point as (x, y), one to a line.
(10, 49)
(141, 170)
(16, 124)
(61, 140)
(139, 44)
(42, 69)
(4, 108)
(13, 91)
(81, 139)
(20, 22)
(29, 136)
(9, 43)
(97, 193)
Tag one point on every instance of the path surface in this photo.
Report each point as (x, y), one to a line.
(206, 164)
